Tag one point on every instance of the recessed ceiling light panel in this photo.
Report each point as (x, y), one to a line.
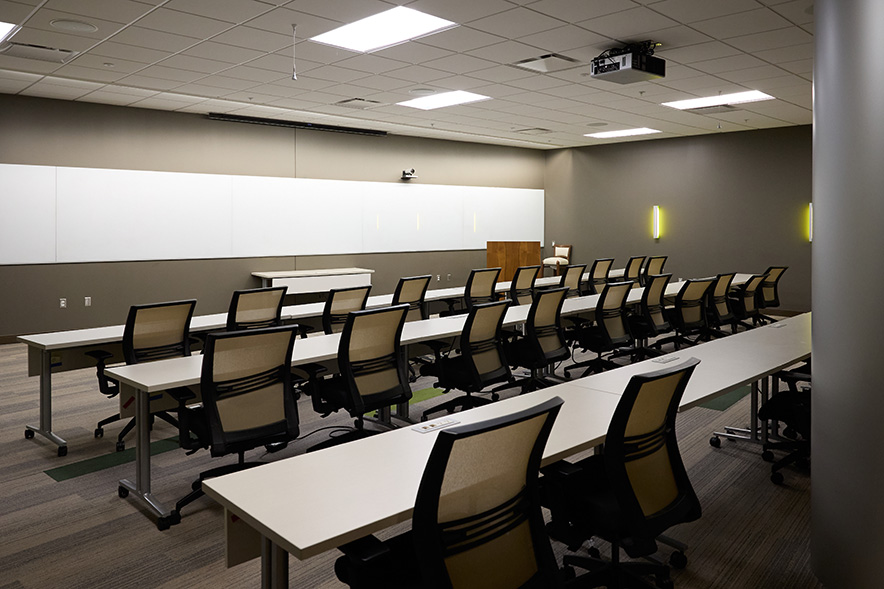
(6, 30)
(384, 29)
(622, 133)
(443, 99)
(737, 98)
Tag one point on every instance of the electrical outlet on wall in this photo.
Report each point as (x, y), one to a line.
(438, 277)
(449, 277)
(62, 303)
(87, 301)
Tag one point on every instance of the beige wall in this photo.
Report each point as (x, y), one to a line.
(733, 202)
(59, 133)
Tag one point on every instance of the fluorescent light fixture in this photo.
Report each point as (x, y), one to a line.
(6, 30)
(384, 29)
(656, 222)
(738, 98)
(443, 99)
(810, 222)
(622, 133)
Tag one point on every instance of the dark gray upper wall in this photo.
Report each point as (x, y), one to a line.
(730, 202)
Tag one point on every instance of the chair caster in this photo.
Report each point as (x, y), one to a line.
(594, 552)
(767, 456)
(495, 396)
(99, 432)
(196, 485)
(62, 450)
(164, 523)
(715, 442)
(29, 434)
(664, 583)
(122, 492)
(776, 478)
(678, 560)
(121, 446)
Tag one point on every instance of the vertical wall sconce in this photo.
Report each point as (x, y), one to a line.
(656, 222)
(810, 222)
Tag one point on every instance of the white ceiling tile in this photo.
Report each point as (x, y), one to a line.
(459, 83)
(727, 64)
(342, 11)
(507, 52)
(382, 83)
(119, 11)
(698, 52)
(273, 61)
(412, 52)
(118, 67)
(223, 52)
(227, 82)
(43, 19)
(335, 74)
(161, 41)
(280, 20)
(13, 12)
(230, 11)
(798, 11)
(254, 39)
(688, 11)
(8, 86)
(195, 64)
(131, 53)
(74, 70)
(27, 65)
(159, 103)
(53, 39)
(47, 90)
(322, 53)
(502, 73)
(536, 82)
(170, 73)
(680, 36)
(19, 76)
(370, 63)
(802, 66)
(772, 39)
(786, 54)
(204, 90)
(750, 75)
(129, 91)
(461, 11)
(580, 10)
(257, 75)
(626, 24)
(416, 73)
(516, 23)
(459, 64)
(105, 97)
(563, 39)
(460, 39)
(181, 23)
(743, 23)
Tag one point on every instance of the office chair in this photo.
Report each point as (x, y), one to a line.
(412, 291)
(633, 270)
(610, 331)
(572, 279)
(791, 407)
(718, 308)
(543, 343)
(688, 316)
(632, 492)
(768, 296)
(340, 302)
(244, 384)
(152, 332)
(257, 307)
(481, 361)
(598, 274)
(654, 265)
(561, 257)
(522, 286)
(479, 289)
(650, 321)
(372, 369)
(477, 519)
(743, 301)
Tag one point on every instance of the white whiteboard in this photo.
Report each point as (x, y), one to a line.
(56, 214)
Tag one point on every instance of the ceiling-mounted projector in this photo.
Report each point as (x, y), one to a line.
(632, 63)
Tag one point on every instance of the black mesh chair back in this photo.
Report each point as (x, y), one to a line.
(572, 278)
(544, 330)
(480, 287)
(598, 274)
(257, 307)
(522, 286)
(654, 266)
(371, 360)
(157, 331)
(246, 388)
(642, 462)
(412, 291)
(769, 292)
(610, 314)
(744, 299)
(481, 347)
(633, 269)
(690, 314)
(341, 302)
(477, 518)
(719, 305)
(651, 320)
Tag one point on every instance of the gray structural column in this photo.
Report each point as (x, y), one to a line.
(848, 289)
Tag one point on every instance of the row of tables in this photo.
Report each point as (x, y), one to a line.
(308, 504)
(61, 351)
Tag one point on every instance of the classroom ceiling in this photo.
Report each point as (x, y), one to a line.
(235, 56)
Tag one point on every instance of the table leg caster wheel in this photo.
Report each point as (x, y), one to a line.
(62, 450)
(678, 560)
(715, 442)
(121, 446)
(166, 522)
(122, 492)
(99, 432)
(767, 456)
(776, 478)
(594, 552)
(29, 434)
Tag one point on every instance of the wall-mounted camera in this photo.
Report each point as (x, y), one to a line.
(408, 174)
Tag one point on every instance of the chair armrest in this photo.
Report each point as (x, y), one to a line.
(101, 356)
(108, 387)
(365, 550)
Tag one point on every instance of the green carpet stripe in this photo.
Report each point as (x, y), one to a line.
(727, 400)
(90, 465)
(423, 395)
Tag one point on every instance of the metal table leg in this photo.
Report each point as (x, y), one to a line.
(141, 487)
(274, 566)
(45, 427)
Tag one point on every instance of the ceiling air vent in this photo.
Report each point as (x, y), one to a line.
(551, 62)
(358, 103)
(39, 52)
(713, 110)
